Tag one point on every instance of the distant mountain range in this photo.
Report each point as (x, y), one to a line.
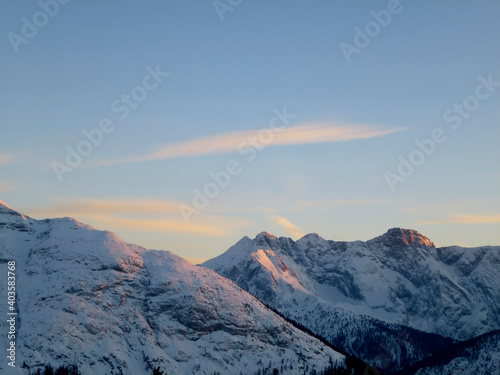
(273, 306)
(392, 300)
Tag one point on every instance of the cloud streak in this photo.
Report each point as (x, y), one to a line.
(160, 225)
(6, 187)
(328, 203)
(115, 207)
(233, 141)
(465, 219)
(137, 215)
(291, 228)
(6, 158)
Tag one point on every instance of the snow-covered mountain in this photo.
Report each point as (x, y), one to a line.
(480, 355)
(349, 291)
(87, 298)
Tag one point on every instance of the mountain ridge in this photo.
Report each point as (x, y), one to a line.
(398, 278)
(87, 298)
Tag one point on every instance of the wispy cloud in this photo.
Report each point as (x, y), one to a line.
(6, 158)
(465, 219)
(113, 207)
(230, 142)
(326, 203)
(137, 215)
(293, 229)
(6, 186)
(158, 225)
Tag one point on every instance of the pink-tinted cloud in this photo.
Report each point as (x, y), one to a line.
(6, 158)
(465, 219)
(230, 142)
(137, 215)
(291, 228)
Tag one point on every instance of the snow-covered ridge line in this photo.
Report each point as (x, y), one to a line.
(344, 290)
(86, 297)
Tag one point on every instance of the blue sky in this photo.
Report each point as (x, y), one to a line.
(430, 73)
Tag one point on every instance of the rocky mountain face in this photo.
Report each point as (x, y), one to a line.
(397, 289)
(85, 297)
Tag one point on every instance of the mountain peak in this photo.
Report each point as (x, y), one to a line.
(312, 236)
(265, 234)
(266, 239)
(403, 236)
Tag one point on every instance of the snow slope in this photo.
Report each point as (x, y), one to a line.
(86, 297)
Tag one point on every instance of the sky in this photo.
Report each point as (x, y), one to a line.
(186, 125)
